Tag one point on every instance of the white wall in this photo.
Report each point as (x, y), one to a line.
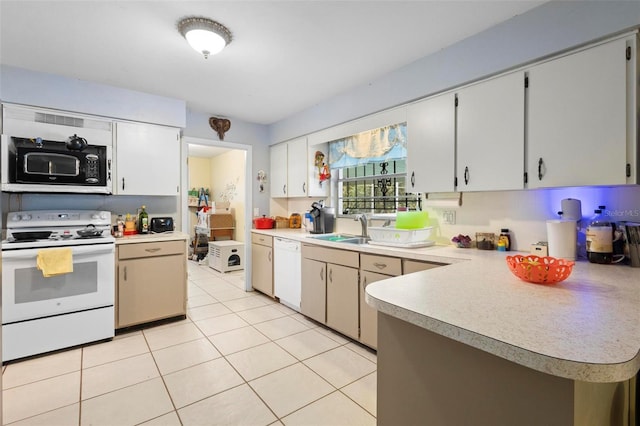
(552, 27)
(241, 132)
(228, 181)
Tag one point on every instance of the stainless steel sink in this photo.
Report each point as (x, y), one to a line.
(341, 238)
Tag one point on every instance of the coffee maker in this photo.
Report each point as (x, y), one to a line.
(323, 218)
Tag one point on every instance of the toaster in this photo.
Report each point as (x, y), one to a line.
(161, 224)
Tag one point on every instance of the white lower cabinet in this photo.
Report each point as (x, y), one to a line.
(152, 282)
(262, 263)
(373, 268)
(330, 287)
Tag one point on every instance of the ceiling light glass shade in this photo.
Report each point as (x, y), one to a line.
(204, 35)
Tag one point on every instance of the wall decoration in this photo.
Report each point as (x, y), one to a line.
(262, 179)
(323, 168)
(220, 125)
(230, 191)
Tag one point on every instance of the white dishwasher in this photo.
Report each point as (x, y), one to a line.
(287, 275)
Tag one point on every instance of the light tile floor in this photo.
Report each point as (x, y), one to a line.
(239, 358)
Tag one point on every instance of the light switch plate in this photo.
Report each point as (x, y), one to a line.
(449, 217)
(256, 211)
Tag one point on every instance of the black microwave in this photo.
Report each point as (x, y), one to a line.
(37, 165)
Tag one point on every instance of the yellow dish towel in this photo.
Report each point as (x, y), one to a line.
(53, 262)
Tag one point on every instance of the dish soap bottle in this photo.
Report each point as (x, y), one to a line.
(143, 221)
(505, 239)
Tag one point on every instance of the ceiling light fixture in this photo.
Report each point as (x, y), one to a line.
(204, 35)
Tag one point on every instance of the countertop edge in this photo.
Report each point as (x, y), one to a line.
(150, 238)
(574, 370)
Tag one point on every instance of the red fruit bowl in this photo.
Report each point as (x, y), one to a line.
(540, 270)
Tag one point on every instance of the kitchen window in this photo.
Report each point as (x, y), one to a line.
(370, 170)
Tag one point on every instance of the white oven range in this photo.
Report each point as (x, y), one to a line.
(42, 314)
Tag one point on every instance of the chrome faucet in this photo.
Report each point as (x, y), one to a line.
(363, 222)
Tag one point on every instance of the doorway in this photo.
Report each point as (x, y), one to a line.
(232, 183)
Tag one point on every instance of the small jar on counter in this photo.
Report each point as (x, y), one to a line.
(505, 239)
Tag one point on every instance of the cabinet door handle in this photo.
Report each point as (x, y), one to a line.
(540, 165)
(125, 273)
(380, 265)
(330, 275)
(284, 188)
(466, 175)
(304, 187)
(364, 283)
(152, 250)
(413, 179)
(123, 184)
(269, 256)
(321, 274)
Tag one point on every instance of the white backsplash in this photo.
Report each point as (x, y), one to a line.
(523, 212)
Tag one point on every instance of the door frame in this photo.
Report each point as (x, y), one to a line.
(248, 193)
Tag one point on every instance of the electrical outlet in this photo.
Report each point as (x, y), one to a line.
(449, 217)
(256, 211)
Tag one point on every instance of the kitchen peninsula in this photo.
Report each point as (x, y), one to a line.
(469, 343)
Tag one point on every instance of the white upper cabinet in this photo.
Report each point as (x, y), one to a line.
(431, 132)
(490, 140)
(147, 159)
(582, 117)
(278, 166)
(297, 168)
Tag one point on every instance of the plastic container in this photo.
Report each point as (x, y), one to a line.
(411, 220)
(599, 237)
(386, 234)
(485, 240)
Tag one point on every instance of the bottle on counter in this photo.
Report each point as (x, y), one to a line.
(599, 238)
(143, 221)
(505, 239)
(119, 226)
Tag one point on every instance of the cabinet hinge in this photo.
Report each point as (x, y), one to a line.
(455, 102)
(628, 170)
(526, 177)
(526, 82)
(628, 53)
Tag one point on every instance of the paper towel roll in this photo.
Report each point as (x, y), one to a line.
(562, 238)
(571, 209)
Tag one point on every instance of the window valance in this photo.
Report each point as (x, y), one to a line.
(382, 144)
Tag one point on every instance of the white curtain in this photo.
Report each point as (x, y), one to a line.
(383, 144)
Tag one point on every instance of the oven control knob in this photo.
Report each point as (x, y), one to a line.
(25, 217)
(15, 218)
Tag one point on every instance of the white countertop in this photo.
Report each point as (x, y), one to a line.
(585, 328)
(150, 238)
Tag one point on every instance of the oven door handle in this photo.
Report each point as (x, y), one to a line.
(77, 251)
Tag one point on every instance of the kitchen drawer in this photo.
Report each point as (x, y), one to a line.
(163, 248)
(329, 255)
(410, 266)
(381, 264)
(263, 240)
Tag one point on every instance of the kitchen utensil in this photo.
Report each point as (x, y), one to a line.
(161, 224)
(89, 231)
(411, 220)
(263, 222)
(540, 270)
(562, 238)
(571, 209)
(30, 236)
(76, 143)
